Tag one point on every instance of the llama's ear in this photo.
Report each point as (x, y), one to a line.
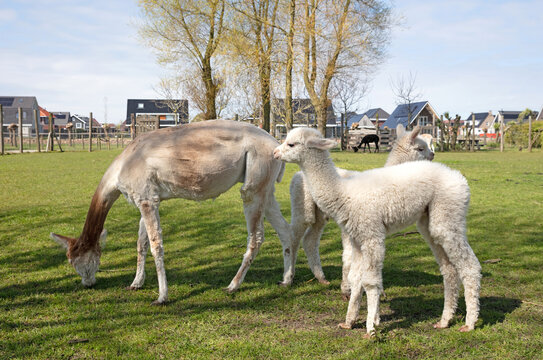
(321, 144)
(61, 240)
(103, 236)
(415, 132)
(400, 131)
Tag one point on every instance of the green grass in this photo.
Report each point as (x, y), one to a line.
(44, 307)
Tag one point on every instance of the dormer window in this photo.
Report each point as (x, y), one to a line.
(140, 105)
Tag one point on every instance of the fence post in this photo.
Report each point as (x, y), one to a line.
(529, 133)
(132, 126)
(157, 124)
(90, 132)
(37, 125)
(20, 111)
(501, 132)
(1, 130)
(472, 147)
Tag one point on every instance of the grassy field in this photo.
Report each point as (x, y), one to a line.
(45, 312)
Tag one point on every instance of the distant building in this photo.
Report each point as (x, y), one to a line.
(374, 114)
(168, 112)
(304, 114)
(81, 123)
(483, 121)
(410, 115)
(11, 105)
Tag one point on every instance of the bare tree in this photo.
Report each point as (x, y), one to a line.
(406, 92)
(340, 38)
(187, 32)
(171, 92)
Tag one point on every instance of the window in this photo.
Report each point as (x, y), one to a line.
(78, 125)
(423, 121)
(140, 105)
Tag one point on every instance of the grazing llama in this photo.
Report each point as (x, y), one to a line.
(308, 221)
(197, 161)
(371, 204)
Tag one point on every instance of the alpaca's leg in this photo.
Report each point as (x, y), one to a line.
(311, 241)
(448, 271)
(253, 207)
(451, 235)
(284, 231)
(366, 272)
(149, 214)
(346, 268)
(143, 246)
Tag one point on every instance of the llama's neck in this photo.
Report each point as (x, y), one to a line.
(101, 202)
(323, 181)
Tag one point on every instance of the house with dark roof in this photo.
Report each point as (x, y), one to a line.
(11, 105)
(413, 114)
(483, 121)
(304, 114)
(374, 114)
(509, 116)
(81, 123)
(167, 112)
(362, 120)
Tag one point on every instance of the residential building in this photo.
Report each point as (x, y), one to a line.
(484, 122)
(374, 114)
(167, 112)
(304, 114)
(81, 123)
(11, 105)
(413, 114)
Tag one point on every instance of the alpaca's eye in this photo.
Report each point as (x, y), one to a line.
(420, 149)
(291, 145)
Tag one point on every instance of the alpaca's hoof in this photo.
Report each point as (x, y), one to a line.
(346, 296)
(324, 282)
(344, 326)
(159, 303)
(283, 284)
(132, 288)
(440, 325)
(231, 288)
(369, 335)
(465, 328)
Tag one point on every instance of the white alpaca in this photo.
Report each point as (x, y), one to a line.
(371, 204)
(308, 220)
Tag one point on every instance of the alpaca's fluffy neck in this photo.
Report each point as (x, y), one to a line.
(323, 181)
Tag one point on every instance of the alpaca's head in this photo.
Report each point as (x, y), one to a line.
(302, 143)
(85, 261)
(410, 146)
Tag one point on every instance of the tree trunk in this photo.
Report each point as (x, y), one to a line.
(289, 118)
(265, 74)
(211, 91)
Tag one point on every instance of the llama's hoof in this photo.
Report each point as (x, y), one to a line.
(159, 303)
(465, 328)
(344, 326)
(230, 289)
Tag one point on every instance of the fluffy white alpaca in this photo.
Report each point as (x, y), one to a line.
(308, 220)
(371, 204)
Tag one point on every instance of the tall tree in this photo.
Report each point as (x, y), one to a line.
(406, 93)
(187, 30)
(339, 38)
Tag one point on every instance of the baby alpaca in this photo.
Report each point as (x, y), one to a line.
(371, 204)
(308, 220)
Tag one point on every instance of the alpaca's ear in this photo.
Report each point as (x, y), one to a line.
(415, 132)
(61, 240)
(400, 131)
(321, 144)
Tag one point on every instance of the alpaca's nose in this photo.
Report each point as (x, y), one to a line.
(432, 156)
(276, 154)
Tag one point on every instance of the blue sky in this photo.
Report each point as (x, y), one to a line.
(467, 55)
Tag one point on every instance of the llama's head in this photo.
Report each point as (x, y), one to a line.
(410, 146)
(84, 258)
(302, 143)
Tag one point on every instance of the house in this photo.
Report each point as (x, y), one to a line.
(512, 116)
(11, 105)
(483, 121)
(62, 118)
(374, 114)
(81, 123)
(362, 120)
(304, 114)
(413, 114)
(539, 116)
(167, 112)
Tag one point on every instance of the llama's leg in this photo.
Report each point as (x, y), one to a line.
(253, 207)
(311, 242)
(284, 231)
(451, 235)
(366, 272)
(346, 267)
(143, 246)
(448, 271)
(149, 214)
